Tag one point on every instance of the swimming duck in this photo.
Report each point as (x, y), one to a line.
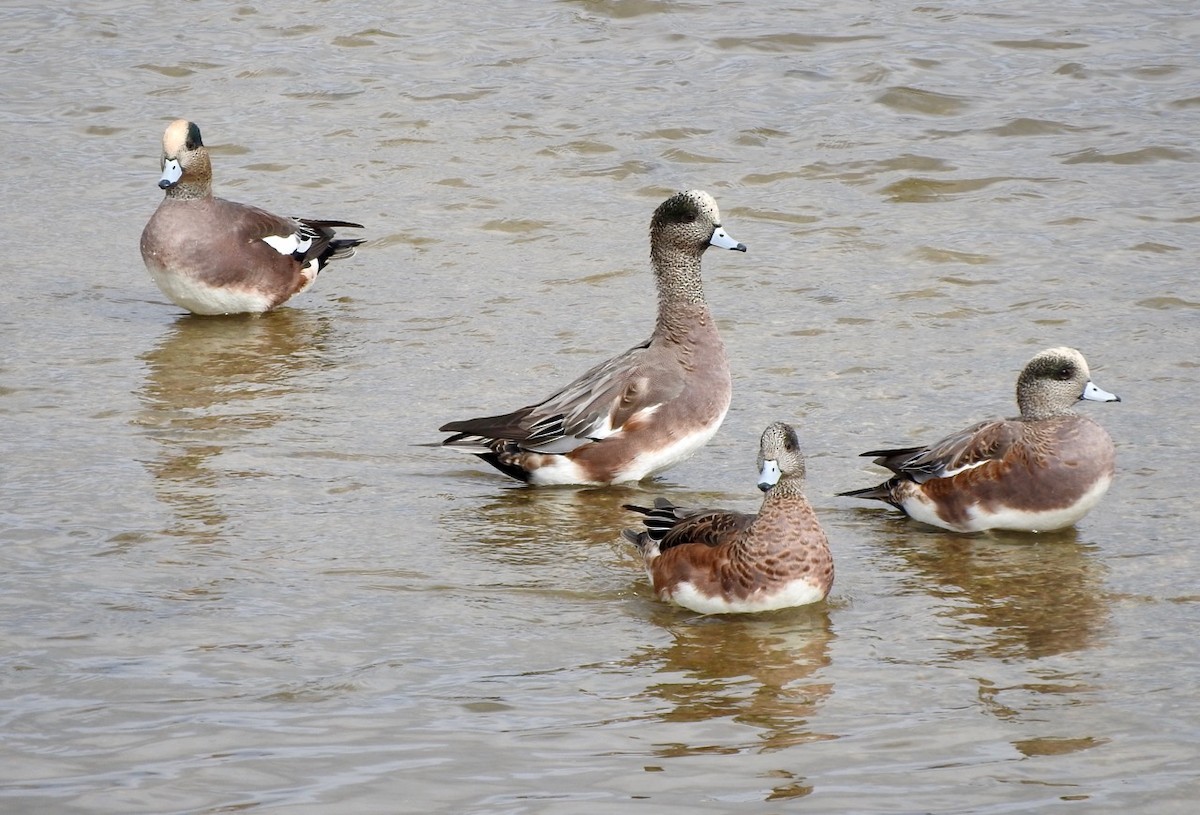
(641, 411)
(723, 562)
(1041, 471)
(212, 256)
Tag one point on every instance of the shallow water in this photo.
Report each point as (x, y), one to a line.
(231, 577)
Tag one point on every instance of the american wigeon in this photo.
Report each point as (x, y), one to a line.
(719, 562)
(1041, 471)
(642, 411)
(212, 256)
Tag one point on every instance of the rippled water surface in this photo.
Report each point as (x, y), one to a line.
(232, 579)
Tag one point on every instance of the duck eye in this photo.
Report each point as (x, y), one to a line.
(1065, 373)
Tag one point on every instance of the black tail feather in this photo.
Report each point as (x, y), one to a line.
(880, 492)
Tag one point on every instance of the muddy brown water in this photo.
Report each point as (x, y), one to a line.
(232, 579)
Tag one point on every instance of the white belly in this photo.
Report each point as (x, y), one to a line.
(1009, 517)
(199, 298)
(794, 593)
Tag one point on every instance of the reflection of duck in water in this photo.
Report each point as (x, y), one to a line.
(1013, 599)
(718, 562)
(204, 363)
(548, 528)
(760, 672)
(207, 383)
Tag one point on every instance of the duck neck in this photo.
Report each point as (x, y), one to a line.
(771, 526)
(1034, 409)
(197, 177)
(786, 488)
(190, 190)
(680, 292)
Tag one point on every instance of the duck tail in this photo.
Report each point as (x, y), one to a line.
(880, 492)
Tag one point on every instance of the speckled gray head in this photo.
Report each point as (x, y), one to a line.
(693, 219)
(779, 456)
(1053, 381)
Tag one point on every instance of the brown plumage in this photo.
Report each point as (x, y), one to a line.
(719, 562)
(1040, 471)
(644, 410)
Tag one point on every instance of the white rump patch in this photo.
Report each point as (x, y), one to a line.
(560, 470)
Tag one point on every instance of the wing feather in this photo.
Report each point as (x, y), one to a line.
(671, 526)
(971, 447)
(597, 404)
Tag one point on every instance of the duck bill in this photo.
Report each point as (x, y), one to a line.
(171, 174)
(769, 475)
(1094, 394)
(720, 238)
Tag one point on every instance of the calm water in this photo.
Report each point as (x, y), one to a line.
(231, 579)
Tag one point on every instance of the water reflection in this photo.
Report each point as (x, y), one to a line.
(518, 515)
(759, 671)
(209, 384)
(520, 525)
(1025, 596)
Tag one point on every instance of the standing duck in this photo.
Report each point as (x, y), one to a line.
(639, 412)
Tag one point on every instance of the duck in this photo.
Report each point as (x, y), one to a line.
(724, 562)
(212, 256)
(1040, 471)
(641, 411)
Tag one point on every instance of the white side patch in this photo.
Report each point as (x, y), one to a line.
(649, 462)
(288, 244)
(794, 593)
(565, 444)
(920, 509)
(606, 428)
